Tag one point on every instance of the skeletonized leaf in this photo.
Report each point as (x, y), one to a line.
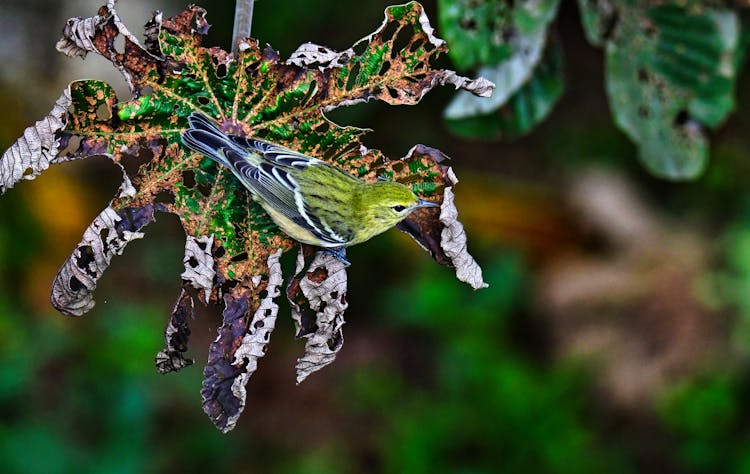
(232, 246)
(318, 299)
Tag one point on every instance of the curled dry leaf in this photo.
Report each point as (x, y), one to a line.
(176, 336)
(232, 246)
(233, 356)
(318, 300)
(107, 236)
(199, 264)
(37, 148)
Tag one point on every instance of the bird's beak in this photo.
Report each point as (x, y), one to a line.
(422, 203)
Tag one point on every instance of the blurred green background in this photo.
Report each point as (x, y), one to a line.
(614, 337)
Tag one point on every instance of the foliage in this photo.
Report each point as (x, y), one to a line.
(670, 71)
(233, 248)
(508, 41)
(495, 407)
(702, 416)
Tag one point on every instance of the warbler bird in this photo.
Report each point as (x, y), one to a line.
(310, 200)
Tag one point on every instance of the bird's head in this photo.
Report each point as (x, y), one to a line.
(387, 203)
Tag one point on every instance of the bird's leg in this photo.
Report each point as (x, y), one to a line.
(339, 253)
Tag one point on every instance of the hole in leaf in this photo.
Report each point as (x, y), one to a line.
(103, 234)
(334, 295)
(390, 30)
(204, 189)
(239, 257)
(392, 92)
(385, 68)
(468, 23)
(75, 284)
(259, 324)
(221, 71)
(28, 172)
(318, 275)
(609, 24)
(252, 68)
(263, 294)
(203, 100)
(85, 257)
(219, 251)
(193, 262)
(201, 245)
(227, 286)
(133, 162)
(268, 312)
(352, 79)
(360, 48)
(74, 142)
(103, 112)
(642, 75)
(164, 197)
(681, 118)
(508, 34)
(119, 44)
(403, 39)
(415, 46)
(311, 92)
(188, 178)
(335, 341)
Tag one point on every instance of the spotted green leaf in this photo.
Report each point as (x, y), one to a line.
(671, 72)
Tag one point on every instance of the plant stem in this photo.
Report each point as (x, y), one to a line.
(243, 21)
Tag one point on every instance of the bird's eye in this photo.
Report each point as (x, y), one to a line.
(399, 208)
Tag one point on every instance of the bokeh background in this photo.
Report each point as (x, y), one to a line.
(614, 337)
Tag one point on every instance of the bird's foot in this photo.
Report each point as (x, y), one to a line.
(339, 253)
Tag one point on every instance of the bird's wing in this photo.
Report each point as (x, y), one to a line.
(276, 154)
(266, 169)
(275, 185)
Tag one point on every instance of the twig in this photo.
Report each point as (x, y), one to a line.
(243, 21)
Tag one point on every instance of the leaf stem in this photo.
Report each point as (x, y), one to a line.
(243, 21)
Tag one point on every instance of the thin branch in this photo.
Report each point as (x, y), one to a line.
(243, 21)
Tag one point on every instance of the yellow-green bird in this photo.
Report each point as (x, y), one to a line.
(311, 201)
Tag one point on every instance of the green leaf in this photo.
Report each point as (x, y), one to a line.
(598, 17)
(526, 108)
(489, 32)
(671, 73)
(507, 40)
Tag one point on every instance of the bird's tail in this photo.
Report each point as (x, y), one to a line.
(205, 137)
